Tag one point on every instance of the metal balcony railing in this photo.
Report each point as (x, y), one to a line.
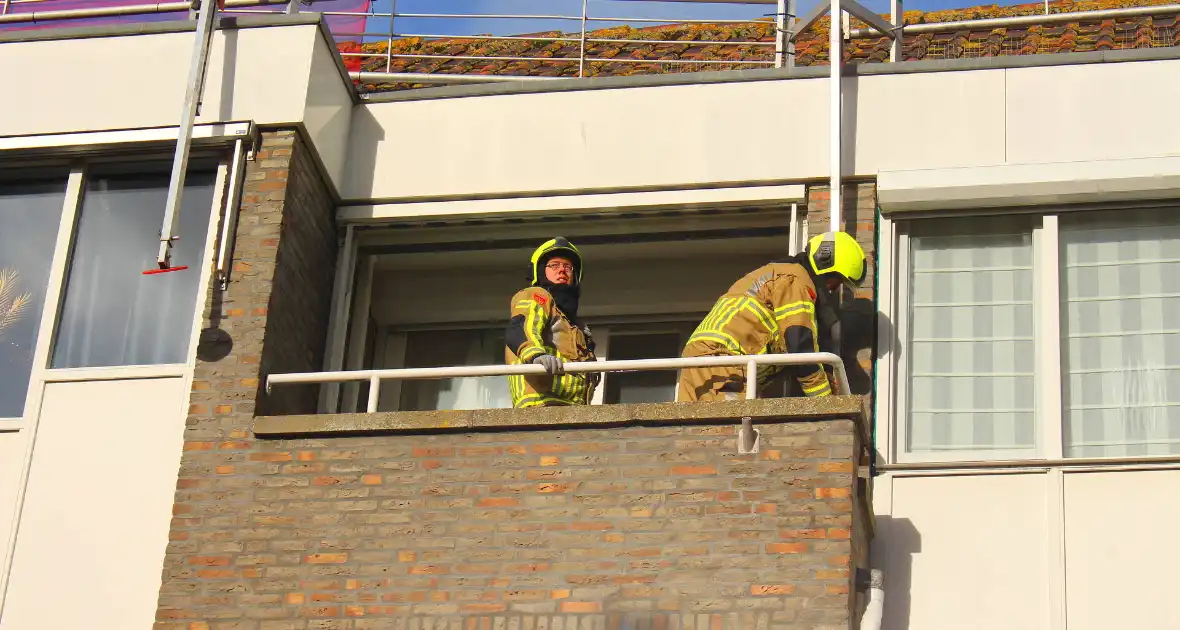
(383, 48)
(751, 363)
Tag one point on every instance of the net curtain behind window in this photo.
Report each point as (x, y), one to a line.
(971, 336)
(443, 348)
(1121, 333)
(114, 315)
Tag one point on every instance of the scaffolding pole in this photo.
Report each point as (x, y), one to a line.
(836, 58)
(188, 116)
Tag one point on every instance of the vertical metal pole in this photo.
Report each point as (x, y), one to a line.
(793, 233)
(792, 11)
(836, 56)
(582, 48)
(5, 10)
(374, 394)
(1046, 7)
(188, 116)
(229, 221)
(751, 380)
(780, 34)
(389, 42)
(897, 17)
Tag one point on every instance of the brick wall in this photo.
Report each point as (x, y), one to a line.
(281, 283)
(636, 527)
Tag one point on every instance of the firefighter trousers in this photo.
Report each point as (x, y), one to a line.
(708, 384)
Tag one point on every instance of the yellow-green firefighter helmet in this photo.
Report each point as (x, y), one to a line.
(554, 246)
(837, 253)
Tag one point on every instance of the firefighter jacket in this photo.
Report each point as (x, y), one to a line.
(538, 327)
(771, 310)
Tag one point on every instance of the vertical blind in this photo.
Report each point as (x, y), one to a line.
(970, 337)
(1121, 333)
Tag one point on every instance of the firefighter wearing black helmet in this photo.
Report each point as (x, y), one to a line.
(544, 330)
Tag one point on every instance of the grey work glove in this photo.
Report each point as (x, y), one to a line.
(551, 363)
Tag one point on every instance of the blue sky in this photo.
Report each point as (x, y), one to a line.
(597, 8)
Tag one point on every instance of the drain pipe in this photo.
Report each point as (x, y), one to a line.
(875, 610)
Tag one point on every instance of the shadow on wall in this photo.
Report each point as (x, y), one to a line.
(858, 331)
(893, 550)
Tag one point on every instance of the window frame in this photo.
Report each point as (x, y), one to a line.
(77, 171)
(891, 405)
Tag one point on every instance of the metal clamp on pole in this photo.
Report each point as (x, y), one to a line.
(188, 116)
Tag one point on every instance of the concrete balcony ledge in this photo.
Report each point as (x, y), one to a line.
(768, 409)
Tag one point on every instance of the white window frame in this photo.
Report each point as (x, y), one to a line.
(891, 401)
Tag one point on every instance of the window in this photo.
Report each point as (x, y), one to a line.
(643, 387)
(1107, 287)
(30, 215)
(446, 348)
(112, 314)
(1121, 333)
(485, 346)
(971, 337)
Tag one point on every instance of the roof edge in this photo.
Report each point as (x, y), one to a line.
(774, 74)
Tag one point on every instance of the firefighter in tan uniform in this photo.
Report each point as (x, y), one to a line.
(544, 330)
(771, 310)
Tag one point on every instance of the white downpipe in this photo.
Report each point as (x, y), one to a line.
(875, 610)
(836, 57)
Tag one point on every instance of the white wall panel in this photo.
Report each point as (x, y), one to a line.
(966, 552)
(139, 81)
(1065, 113)
(924, 120)
(1122, 550)
(90, 550)
(656, 136)
(328, 110)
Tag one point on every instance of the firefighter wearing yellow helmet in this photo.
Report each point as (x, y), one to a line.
(543, 329)
(772, 310)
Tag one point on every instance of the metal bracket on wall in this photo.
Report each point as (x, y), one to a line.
(229, 221)
(749, 438)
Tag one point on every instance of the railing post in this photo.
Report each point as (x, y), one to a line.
(374, 393)
(748, 435)
(780, 34)
(897, 17)
(582, 46)
(751, 380)
(389, 42)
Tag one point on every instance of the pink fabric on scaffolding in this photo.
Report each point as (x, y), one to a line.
(336, 23)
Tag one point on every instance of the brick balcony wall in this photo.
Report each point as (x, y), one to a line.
(597, 527)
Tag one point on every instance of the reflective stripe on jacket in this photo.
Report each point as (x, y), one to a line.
(770, 310)
(538, 327)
